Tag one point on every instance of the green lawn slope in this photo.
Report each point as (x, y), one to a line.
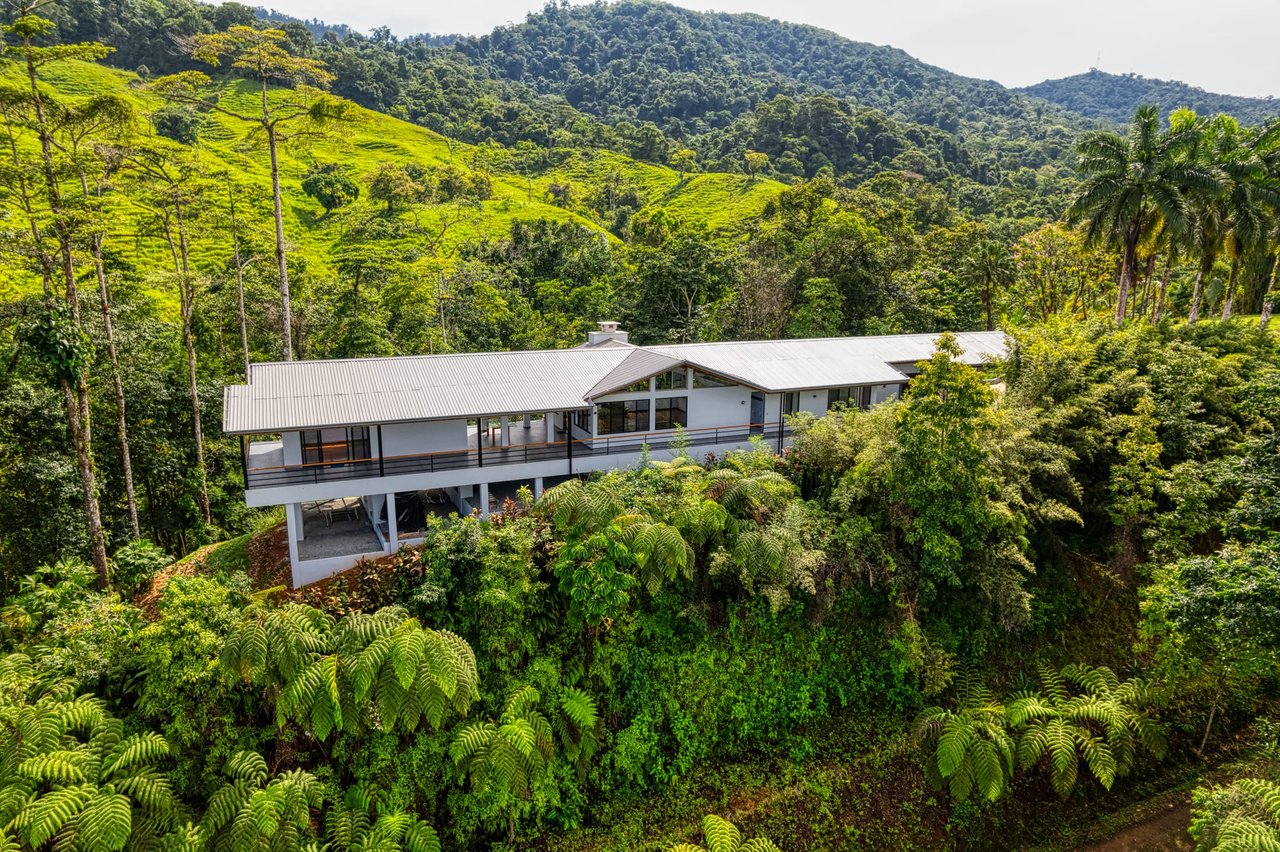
(721, 201)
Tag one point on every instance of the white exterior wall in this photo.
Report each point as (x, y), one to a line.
(292, 443)
(426, 436)
(883, 393)
(813, 401)
(713, 407)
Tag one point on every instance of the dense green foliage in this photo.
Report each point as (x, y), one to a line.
(1059, 570)
(1114, 97)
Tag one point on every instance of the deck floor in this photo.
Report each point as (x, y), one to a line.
(341, 538)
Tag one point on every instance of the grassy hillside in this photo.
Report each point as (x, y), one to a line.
(721, 201)
(1114, 97)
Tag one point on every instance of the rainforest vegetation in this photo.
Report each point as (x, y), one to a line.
(993, 613)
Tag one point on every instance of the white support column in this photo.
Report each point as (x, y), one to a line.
(293, 524)
(506, 430)
(393, 535)
(484, 499)
(528, 421)
(296, 530)
(549, 427)
(537, 487)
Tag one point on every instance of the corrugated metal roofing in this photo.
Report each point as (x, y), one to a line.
(789, 365)
(640, 364)
(291, 395)
(284, 396)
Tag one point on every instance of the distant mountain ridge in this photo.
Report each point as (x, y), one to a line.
(1114, 97)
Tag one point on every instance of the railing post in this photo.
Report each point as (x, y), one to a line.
(479, 444)
(381, 471)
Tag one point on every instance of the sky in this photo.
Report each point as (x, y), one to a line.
(1226, 46)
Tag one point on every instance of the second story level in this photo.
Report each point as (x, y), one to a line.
(315, 427)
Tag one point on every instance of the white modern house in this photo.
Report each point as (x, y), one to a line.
(359, 451)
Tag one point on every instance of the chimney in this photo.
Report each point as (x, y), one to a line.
(608, 331)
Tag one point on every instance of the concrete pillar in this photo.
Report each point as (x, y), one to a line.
(505, 428)
(293, 524)
(528, 421)
(294, 514)
(484, 499)
(537, 487)
(393, 535)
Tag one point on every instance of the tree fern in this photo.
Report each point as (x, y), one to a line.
(1241, 817)
(504, 757)
(723, 836)
(250, 813)
(69, 776)
(969, 748)
(1103, 721)
(380, 669)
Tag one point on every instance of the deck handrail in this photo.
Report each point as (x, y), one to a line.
(497, 455)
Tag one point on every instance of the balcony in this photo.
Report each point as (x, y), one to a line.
(262, 475)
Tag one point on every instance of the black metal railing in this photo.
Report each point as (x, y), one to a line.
(308, 474)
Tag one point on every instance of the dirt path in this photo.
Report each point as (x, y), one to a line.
(1164, 830)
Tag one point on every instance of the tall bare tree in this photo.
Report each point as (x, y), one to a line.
(27, 33)
(298, 109)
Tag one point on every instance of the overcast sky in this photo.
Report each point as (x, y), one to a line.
(1224, 46)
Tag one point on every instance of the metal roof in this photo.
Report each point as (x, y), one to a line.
(640, 364)
(287, 395)
(828, 362)
(283, 396)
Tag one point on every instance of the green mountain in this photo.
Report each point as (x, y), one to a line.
(1114, 97)
(557, 189)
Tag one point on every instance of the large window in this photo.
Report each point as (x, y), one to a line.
(851, 397)
(638, 387)
(706, 380)
(582, 419)
(631, 415)
(670, 412)
(335, 445)
(673, 380)
(790, 403)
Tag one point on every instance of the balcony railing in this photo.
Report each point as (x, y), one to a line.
(450, 460)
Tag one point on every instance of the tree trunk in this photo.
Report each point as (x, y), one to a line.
(986, 302)
(511, 828)
(77, 398)
(1230, 298)
(1157, 308)
(1269, 299)
(281, 260)
(1197, 290)
(1128, 269)
(1213, 709)
(235, 248)
(84, 462)
(188, 304)
(126, 458)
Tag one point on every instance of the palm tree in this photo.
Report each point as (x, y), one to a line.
(970, 748)
(506, 756)
(723, 836)
(1245, 197)
(1132, 184)
(987, 266)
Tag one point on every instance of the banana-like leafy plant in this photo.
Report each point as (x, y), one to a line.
(1085, 713)
(969, 748)
(380, 669)
(71, 778)
(253, 814)
(504, 758)
(723, 836)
